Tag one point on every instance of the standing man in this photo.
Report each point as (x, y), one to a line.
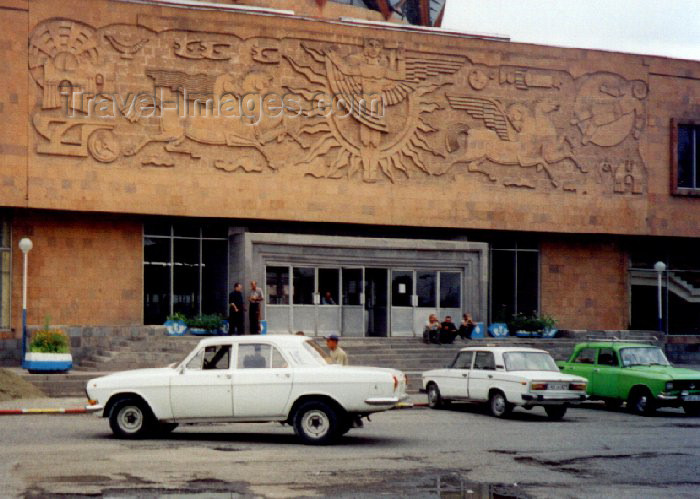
(255, 298)
(338, 355)
(236, 307)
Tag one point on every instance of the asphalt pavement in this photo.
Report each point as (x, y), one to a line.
(461, 452)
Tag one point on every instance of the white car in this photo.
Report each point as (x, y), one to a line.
(505, 377)
(247, 379)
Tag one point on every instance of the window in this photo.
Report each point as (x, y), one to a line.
(514, 280)
(260, 356)
(484, 360)
(685, 169)
(607, 357)
(304, 285)
(450, 286)
(463, 360)
(425, 288)
(329, 286)
(5, 291)
(401, 288)
(184, 269)
(277, 279)
(217, 357)
(585, 356)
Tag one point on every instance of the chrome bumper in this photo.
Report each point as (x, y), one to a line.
(385, 400)
(94, 408)
(552, 399)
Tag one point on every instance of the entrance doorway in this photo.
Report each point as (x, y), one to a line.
(376, 299)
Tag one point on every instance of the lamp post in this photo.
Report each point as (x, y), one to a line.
(25, 244)
(660, 267)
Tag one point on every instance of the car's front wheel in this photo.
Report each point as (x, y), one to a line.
(435, 400)
(555, 412)
(641, 403)
(692, 408)
(130, 418)
(498, 405)
(317, 423)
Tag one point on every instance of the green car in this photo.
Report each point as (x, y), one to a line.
(636, 373)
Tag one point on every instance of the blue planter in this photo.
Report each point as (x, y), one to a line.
(498, 330)
(175, 328)
(478, 331)
(40, 362)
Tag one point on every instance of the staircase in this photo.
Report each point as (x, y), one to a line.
(128, 351)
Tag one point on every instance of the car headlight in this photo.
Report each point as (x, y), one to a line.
(669, 386)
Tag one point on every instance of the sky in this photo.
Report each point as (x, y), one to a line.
(657, 27)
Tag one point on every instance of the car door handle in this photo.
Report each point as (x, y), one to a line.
(490, 376)
(224, 376)
(465, 375)
(596, 370)
(283, 375)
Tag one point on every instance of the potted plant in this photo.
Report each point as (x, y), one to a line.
(176, 324)
(549, 329)
(49, 351)
(525, 326)
(205, 324)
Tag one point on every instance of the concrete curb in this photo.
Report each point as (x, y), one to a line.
(22, 412)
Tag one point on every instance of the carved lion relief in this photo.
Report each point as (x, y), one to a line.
(367, 111)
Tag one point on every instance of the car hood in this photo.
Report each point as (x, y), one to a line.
(672, 372)
(136, 374)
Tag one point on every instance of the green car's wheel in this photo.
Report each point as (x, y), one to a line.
(641, 402)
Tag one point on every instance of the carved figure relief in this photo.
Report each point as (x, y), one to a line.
(154, 95)
(608, 109)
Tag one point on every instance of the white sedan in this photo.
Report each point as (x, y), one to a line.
(505, 377)
(248, 379)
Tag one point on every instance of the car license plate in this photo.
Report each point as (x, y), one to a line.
(692, 398)
(558, 386)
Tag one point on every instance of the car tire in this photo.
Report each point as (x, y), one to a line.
(131, 418)
(555, 412)
(435, 400)
(317, 423)
(498, 405)
(641, 402)
(692, 408)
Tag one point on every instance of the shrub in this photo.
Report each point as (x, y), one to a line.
(177, 316)
(49, 341)
(205, 321)
(521, 322)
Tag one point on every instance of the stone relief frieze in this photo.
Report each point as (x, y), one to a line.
(368, 110)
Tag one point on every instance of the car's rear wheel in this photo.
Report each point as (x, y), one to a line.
(641, 402)
(692, 408)
(317, 423)
(131, 418)
(435, 400)
(498, 405)
(555, 412)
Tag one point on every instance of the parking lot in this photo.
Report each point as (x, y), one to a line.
(417, 452)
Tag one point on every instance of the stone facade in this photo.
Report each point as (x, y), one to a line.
(376, 127)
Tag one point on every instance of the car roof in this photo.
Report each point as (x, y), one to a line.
(609, 344)
(501, 349)
(277, 339)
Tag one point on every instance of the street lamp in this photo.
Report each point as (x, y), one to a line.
(25, 244)
(660, 267)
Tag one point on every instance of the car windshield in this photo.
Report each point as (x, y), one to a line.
(529, 361)
(643, 356)
(310, 354)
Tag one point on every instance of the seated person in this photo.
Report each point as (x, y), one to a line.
(466, 327)
(431, 331)
(448, 330)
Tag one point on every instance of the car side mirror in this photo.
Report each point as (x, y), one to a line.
(181, 370)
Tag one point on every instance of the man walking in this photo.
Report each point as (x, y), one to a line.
(236, 307)
(338, 355)
(255, 299)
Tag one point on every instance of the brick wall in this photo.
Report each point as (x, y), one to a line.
(83, 269)
(583, 284)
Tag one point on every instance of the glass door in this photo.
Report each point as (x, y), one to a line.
(402, 303)
(426, 300)
(376, 300)
(353, 299)
(328, 293)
